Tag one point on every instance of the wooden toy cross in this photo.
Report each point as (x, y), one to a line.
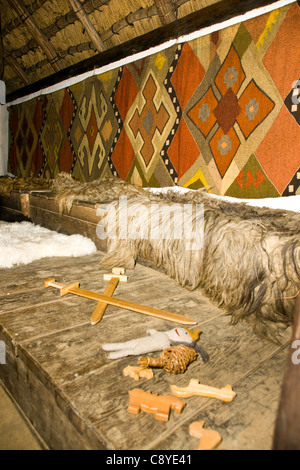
(107, 299)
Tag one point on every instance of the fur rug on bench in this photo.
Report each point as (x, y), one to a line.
(243, 257)
(247, 258)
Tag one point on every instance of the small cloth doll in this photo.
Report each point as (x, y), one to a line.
(156, 341)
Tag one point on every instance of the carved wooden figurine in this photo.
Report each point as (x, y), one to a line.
(154, 404)
(195, 388)
(138, 371)
(209, 439)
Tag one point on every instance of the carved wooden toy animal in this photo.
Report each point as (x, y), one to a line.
(137, 372)
(195, 388)
(209, 439)
(160, 405)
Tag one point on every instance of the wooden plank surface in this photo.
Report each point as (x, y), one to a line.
(57, 353)
(247, 423)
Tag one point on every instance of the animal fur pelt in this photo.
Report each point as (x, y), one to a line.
(67, 190)
(249, 263)
(8, 184)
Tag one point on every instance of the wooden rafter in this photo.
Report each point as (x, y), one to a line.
(36, 33)
(165, 11)
(87, 24)
(16, 21)
(210, 15)
(17, 68)
(63, 21)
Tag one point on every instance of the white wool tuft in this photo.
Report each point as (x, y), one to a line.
(290, 203)
(24, 242)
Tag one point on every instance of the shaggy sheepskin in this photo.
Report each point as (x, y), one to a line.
(10, 183)
(24, 242)
(67, 190)
(249, 259)
(247, 255)
(248, 262)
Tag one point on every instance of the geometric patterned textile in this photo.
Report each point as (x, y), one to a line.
(221, 111)
(227, 105)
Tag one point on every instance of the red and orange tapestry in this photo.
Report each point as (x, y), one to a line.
(221, 111)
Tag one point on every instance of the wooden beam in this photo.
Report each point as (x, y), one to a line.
(87, 24)
(211, 15)
(61, 22)
(36, 33)
(287, 427)
(16, 21)
(64, 21)
(165, 11)
(16, 68)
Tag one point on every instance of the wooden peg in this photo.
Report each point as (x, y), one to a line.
(209, 439)
(118, 273)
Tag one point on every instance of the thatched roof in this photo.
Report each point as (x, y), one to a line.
(44, 37)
